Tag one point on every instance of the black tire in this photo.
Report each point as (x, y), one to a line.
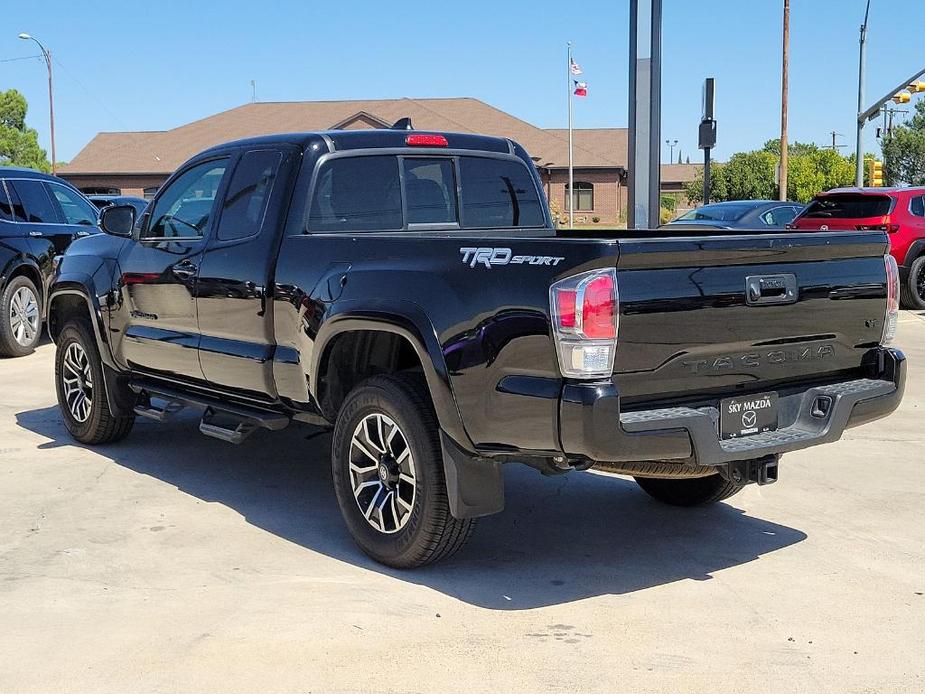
(912, 295)
(98, 425)
(427, 532)
(698, 491)
(9, 345)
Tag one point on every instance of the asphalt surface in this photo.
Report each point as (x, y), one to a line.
(172, 562)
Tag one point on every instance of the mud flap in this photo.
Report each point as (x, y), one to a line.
(474, 486)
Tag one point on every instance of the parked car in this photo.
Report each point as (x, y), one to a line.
(898, 211)
(740, 214)
(102, 201)
(409, 292)
(40, 215)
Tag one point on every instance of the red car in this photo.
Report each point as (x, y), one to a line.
(898, 211)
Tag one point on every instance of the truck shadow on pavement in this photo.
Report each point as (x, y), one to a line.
(559, 539)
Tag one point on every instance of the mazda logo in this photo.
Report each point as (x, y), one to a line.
(824, 227)
(748, 419)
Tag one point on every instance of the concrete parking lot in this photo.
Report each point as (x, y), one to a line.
(173, 562)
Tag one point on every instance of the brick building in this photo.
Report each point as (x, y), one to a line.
(137, 163)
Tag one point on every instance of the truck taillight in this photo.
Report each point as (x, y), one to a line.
(585, 314)
(891, 314)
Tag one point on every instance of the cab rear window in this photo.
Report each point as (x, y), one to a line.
(397, 192)
(498, 193)
(848, 206)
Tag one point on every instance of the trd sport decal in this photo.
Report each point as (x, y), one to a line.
(503, 256)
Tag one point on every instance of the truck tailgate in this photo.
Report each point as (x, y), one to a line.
(745, 313)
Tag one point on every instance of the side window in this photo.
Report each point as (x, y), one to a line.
(75, 209)
(35, 203)
(917, 206)
(184, 210)
(785, 215)
(248, 194)
(430, 191)
(779, 216)
(498, 193)
(357, 194)
(6, 210)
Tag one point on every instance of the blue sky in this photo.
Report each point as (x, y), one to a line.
(152, 66)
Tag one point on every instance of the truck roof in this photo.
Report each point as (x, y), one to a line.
(367, 139)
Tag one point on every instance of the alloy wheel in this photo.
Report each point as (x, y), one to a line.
(382, 474)
(920, 282)
(24, 316)
(77, 381)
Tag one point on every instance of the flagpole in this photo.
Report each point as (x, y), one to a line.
(570, 197)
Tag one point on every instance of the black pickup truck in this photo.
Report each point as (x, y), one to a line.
(410, 291)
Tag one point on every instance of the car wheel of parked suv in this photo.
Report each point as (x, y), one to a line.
(689, 492)
(913, 294)
(388, 474)
(21, 324)
(81, 392)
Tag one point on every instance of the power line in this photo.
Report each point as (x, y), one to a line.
(88, 91)
(27, 57)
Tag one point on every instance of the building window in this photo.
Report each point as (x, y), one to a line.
(583, 195)
(149, 193)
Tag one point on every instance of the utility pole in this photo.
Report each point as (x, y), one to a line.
(785, 58)
(835, 144)
(859, 148)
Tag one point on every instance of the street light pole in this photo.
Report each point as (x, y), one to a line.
(859, 148)
(671, 145)
(51, 99)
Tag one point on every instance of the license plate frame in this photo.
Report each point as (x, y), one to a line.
(747, 415)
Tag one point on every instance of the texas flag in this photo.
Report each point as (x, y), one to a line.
(581, 88)
(574, 67)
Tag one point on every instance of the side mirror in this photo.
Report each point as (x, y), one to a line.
(118, 220)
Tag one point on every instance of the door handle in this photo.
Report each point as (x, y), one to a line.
(35, 233)
(184, 270)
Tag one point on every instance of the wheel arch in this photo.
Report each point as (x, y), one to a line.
(916, 249)
(72, 298)
(406, 336)
(27, 267)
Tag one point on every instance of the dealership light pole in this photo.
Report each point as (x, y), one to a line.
(645, 114)
(51, 99)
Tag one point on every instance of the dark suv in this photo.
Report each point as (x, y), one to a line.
(39, 217)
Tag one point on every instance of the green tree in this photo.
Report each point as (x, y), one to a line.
(750, 175)
(904, 151)
(19, 144)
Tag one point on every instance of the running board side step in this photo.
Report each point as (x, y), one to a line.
(222, 420)
(158, 414)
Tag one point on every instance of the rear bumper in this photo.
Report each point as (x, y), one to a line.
(592, 426)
